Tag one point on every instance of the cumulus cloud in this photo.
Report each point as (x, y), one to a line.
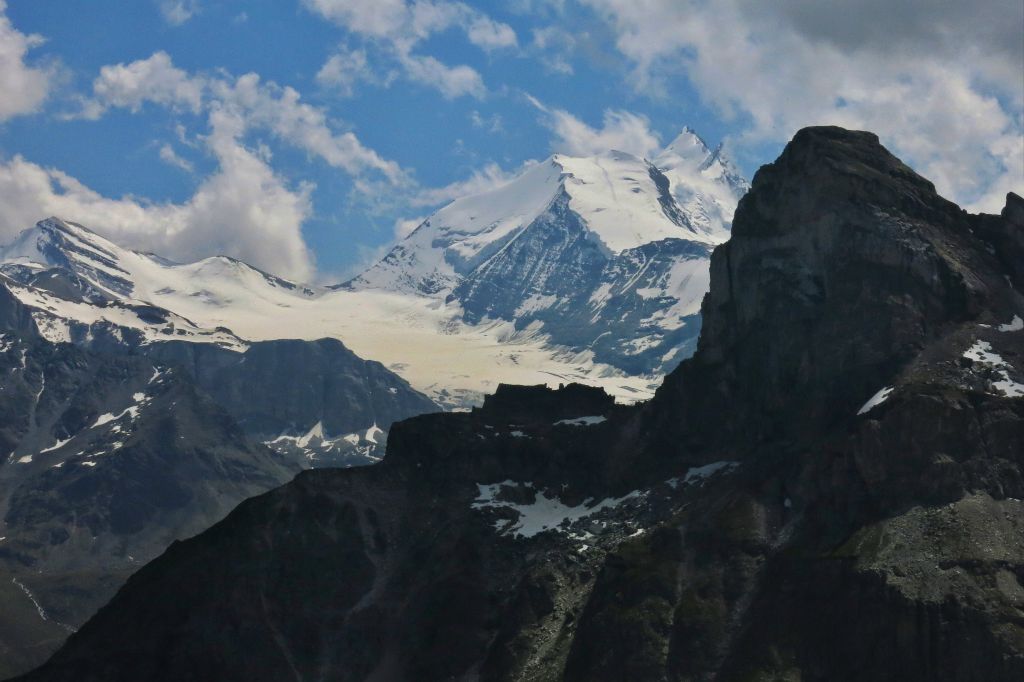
(344, 70)
(482, 179)
(249, 102)
(170, 157)
(177, 12)
(23, 87)
(373, 17)
(243, 104)
(154, 79)
(450, 81)
(243, 210)
(940, 82)
(488, 34)
(405, 226)
(492, 124)
(554, 46)
(622, 131)
(399, 26)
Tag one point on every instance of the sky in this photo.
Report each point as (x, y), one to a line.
(306, 136)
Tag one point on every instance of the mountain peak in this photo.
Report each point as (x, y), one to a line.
(852, 229)
(686, 145)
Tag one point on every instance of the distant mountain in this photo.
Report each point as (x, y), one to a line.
(86, 290)
(606, 255)
(829, 489)
(581, 269)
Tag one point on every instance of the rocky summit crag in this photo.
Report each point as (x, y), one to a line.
(830, 489)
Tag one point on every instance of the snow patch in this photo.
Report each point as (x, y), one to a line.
(1014, 325)
(701, 473)
(58, 444)
(981, 352)
(876, 400)
(544, 513)
(372, 433)
(581, 421)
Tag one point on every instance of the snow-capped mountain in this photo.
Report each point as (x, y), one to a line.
(580, 269)
(606, 254)
(83, 289)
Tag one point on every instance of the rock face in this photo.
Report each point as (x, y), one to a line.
(830, 489)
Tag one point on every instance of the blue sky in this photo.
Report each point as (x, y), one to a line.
(306, 135)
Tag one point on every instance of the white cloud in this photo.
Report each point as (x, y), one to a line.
(940, 83)
(481, 180)
(450, 81)
(177, 12)
(405, 226)
(249, 102)
(492, 124)
(23, 88)
(241, 104)
(170, 157)
(399, 26)
(488, 34)
(555, 47)
(154, 79)
(243, 210)
(622, 131)
(344, 69)
(373, 17)
(276, 109)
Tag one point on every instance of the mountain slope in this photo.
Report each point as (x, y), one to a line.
(831, 496)
(84, 289)
(105, 461)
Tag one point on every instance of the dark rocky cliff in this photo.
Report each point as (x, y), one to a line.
(829, 490)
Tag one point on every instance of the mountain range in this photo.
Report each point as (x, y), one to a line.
(143, 398)
(578, 269)
(828, 489)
